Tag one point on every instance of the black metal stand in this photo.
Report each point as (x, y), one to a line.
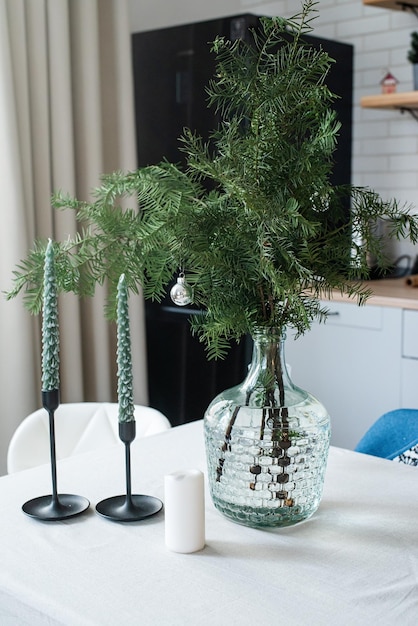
(128, 508)
(409, 6)
(54, 507)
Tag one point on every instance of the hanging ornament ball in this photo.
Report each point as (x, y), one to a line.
(181, 293)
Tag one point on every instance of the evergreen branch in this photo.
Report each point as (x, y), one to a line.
(253, 219)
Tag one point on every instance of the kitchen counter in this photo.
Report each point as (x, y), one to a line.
(363, 362)
(392, 292)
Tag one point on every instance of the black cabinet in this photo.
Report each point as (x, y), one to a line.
(182, 382)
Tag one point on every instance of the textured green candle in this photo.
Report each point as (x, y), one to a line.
(125, 378)
(50, 329)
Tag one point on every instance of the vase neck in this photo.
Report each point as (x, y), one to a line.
(267, 373)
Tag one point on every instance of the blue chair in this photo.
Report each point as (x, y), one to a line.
(391, 435)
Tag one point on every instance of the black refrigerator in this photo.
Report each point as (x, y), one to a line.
(172, 67)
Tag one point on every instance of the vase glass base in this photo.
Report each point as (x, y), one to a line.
(258, 482)
(264, 517)
(266, 444)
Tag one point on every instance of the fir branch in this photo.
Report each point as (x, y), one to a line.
(253, 219)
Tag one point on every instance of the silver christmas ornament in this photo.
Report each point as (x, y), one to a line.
(181, 293)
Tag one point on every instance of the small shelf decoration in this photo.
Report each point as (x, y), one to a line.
(127, 507)
(389, 83)
(52, 507)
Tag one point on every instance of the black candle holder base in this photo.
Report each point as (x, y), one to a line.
(128, 507)
(56, 506)
(51, 509)
(132, 508)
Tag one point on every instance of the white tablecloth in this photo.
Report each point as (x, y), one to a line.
(354, 562)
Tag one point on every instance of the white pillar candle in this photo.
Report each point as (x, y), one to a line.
(184, 511)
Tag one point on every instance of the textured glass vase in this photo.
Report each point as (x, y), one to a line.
(266, 443)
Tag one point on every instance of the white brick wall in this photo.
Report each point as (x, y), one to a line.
(385, 143)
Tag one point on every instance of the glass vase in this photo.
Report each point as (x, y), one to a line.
(266, 443)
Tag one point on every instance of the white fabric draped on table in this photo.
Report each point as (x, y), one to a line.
(354, 562)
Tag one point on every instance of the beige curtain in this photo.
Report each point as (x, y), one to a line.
(66, 116)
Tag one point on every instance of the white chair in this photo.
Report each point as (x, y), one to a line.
(79, 427)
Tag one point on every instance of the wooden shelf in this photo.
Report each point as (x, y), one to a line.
(391, 4)
(407, 100)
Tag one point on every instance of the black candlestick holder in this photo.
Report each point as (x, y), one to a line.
(128, 508)
(56, 506)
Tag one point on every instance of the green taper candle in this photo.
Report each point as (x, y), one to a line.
(50, 329)
(125, 378)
